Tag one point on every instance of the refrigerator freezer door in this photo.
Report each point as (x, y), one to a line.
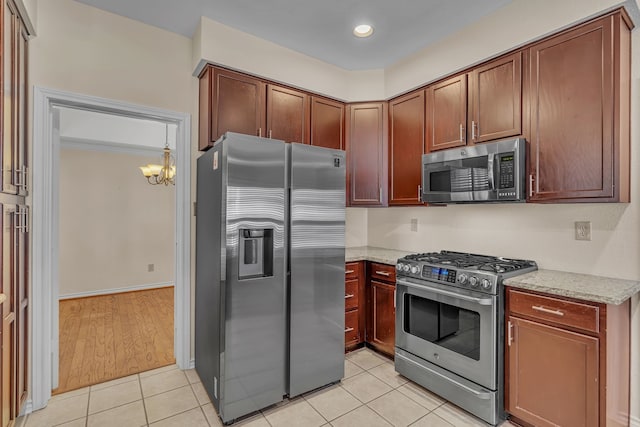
(316, 234)
(253, 362)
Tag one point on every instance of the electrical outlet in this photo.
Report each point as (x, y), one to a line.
(414, 224)
(583, 230)
(151, 267)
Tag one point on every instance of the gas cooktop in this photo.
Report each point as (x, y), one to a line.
(476, 272)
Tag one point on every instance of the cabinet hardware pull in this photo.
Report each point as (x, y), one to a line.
(348, 330)
(530, 185)
(395, 295)
(380, 195)
(461, 132)
(419, 193)
(547, 310)
(260, 132)
(383, 273)
(270, 131)
(510, 333)
(349, 271)
(473, 130)
(347, 296)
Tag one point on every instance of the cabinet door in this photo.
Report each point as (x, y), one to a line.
(288, 114)
(8, 353)
(495, 91)
(551, 375)
(382, 316)
(22, 308)
(366, 152)
(447, 113)
(406, 146)
(327, 123)
(230, 102)
(8, 140)
(571, 86)
(20, 105)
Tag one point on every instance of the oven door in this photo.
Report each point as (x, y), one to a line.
(453, 328)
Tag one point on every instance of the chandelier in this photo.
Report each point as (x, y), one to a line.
(164, 173)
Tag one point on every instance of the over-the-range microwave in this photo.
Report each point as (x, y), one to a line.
(482, 173)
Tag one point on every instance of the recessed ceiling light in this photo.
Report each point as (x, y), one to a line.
(364, 30)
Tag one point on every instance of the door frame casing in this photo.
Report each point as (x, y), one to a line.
(44, 248)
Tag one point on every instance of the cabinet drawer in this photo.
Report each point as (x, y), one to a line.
(351, 294)
(568, 313)
(383, 272)
(351, 331)
(351, 270)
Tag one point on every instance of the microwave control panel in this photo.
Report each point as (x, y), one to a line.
(507, 171)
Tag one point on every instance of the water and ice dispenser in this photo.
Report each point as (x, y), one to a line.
(255, 256)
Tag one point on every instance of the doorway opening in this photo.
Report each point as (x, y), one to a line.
(45, 284)
(116, 248)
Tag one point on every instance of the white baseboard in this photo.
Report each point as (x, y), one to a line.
(116, 290)
(192, 364)
(634, 421)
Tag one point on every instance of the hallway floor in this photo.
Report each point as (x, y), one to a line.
(112, 336)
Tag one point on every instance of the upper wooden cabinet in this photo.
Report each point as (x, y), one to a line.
(447, 113)
(327, 123)
(230, 102)
(482, 105)
(288, 114)
(14, 106)
(578, 86)
(495, 93)
(406, 146)
(366, 154)
(235, 102)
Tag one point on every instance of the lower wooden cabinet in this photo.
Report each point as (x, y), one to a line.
(381, 307)
(567, 361)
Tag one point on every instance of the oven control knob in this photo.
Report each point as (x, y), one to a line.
(486, 284)
(406, 268)
(415, 269)
(462, 279)
(473, 281)
(399, 266)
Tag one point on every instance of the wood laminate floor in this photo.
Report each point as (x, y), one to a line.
(112, 336)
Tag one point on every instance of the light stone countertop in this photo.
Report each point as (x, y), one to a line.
(370, 253)
(574, 285)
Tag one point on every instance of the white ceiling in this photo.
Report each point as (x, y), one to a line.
(319, 28)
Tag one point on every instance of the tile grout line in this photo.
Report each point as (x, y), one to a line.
(144, 407)
(86, 419)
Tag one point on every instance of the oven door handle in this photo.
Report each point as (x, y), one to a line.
(479, 394)
(480, 301)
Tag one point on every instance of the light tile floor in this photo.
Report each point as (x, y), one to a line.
(371, 394)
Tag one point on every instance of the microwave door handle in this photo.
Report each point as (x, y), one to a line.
(491, 171)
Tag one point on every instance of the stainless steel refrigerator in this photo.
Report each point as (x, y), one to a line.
(269, 271)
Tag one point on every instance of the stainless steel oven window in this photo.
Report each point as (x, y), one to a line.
(445, 325)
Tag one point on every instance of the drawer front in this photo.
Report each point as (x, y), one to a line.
(351, 331)
(568, 313)
(351, 270)
(351, 294)
(384, 272)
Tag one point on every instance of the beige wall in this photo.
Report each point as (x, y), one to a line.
(113, 223)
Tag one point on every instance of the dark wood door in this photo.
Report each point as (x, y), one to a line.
(327, 123)
(495, 92)
(21, 279)
(366, 154)
(288, 114)
(571, 87)
(552, 375)
(382, 317)
(231, 102)
(406, 146)
(447, 113)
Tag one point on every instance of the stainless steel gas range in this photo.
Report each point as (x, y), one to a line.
(450, 326)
